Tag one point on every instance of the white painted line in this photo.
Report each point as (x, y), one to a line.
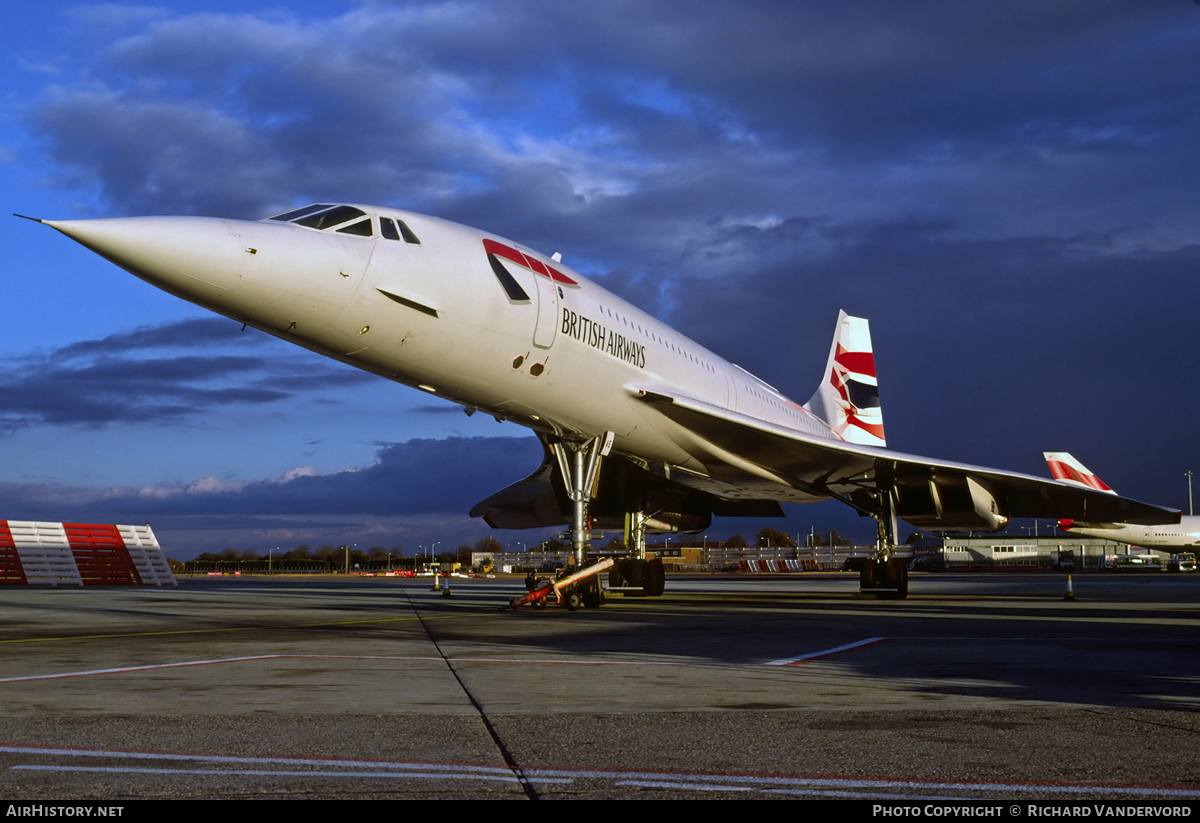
(509, 778)
(135, 668)
(816, 784)
(799, 790)
(127, 669)
(288, 761)
(736, 782)
(803, 658)
(396, 659)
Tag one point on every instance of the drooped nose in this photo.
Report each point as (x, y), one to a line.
(197, 258)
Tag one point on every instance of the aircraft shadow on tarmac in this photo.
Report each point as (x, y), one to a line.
(1124, 648)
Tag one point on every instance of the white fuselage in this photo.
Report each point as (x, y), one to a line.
(1180, 536)
(569, 360)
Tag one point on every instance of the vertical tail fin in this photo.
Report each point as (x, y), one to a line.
(1066, 468)
(848, 397)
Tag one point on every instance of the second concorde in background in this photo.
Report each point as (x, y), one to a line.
(641, 426)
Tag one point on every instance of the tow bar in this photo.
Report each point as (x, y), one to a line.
(562, 592)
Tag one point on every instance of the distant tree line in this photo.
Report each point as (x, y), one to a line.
(303, 558)
(333, 558)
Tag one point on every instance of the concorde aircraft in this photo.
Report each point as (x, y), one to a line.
(1171, 536)
(640, 425)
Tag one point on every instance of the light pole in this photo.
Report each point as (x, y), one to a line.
(1188, 473)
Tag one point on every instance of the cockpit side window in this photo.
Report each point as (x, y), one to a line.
(409, 237)
(388, 225)
(362, 229)
(294, 213)
(388, 229)
(333, 217)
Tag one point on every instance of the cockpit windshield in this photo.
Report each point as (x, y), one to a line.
(294, 213)
(351, 220)
(320, 216)
(333, 217)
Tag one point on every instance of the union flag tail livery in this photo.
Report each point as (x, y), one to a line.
(848, 397)
(1066, 468)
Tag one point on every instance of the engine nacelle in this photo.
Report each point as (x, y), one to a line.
(541, 500)
(949, 504)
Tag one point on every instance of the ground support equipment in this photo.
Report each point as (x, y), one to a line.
(581, 588)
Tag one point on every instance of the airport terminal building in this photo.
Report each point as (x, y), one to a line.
(930, 553)
(1022, 552)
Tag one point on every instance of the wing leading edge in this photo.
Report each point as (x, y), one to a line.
(934, 494)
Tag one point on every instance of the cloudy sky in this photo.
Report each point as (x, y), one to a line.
(1009, 191)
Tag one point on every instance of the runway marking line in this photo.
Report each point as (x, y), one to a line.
(232, 629)
(752, 781)
(787, 661)
(391, 658)
(186, 663)
(509, 778)
(346, 762)
(809, 784)
(804, 658)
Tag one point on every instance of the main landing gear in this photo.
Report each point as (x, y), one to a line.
(636, 576)
(884, 576)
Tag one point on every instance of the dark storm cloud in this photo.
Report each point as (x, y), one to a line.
(616, 129)
(890, 78)
(135, 377)
(414, 493)
(414, 478)
(204, 331)
(1007, 190)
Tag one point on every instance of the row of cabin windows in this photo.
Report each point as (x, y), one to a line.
(766, 398)
(322, 216)
(660, 340)
(786, 409)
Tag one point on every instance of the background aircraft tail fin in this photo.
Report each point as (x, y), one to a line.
(1066, 468)
(848, 397)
